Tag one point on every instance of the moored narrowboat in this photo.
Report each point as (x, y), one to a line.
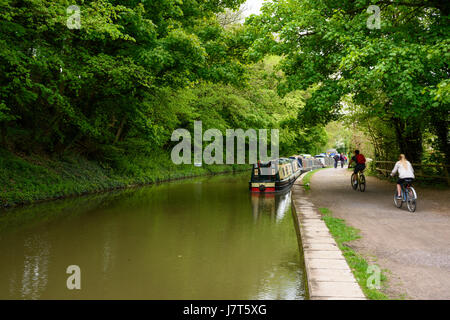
(275, 175)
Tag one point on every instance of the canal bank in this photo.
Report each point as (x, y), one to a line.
(327, 274)
(26, 179)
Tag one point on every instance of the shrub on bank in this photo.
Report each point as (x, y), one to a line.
(25, 179)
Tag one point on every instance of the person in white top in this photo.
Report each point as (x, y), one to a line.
(405, 171)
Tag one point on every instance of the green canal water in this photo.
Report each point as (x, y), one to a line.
(202, 238)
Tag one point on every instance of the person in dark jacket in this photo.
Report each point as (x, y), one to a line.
(342, 158)
(336, 159)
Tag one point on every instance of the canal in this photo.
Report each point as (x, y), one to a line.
(201, 238)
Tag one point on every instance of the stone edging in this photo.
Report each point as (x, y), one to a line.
(328, 275)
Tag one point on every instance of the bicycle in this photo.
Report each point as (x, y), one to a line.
(409, 196)
(358, 180)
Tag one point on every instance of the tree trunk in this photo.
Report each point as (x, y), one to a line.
(3, 134)
(409, 139)
(440, 128)
(119, 131)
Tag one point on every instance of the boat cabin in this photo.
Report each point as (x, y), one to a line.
(275, 175)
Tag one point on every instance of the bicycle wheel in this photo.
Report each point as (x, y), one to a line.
(398, 202)
(362, 183)
(354, 181)
(411, 201)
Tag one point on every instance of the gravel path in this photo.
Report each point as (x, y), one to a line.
(415, 247)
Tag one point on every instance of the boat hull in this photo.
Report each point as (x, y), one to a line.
(273, 187)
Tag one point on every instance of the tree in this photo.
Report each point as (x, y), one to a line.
(230, 18)
(394, 72)
(84, 88)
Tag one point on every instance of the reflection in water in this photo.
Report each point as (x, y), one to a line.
(280, 281)
(273, 204)
(35, 269)
(109, 232)
(192, 239)
(284, 205)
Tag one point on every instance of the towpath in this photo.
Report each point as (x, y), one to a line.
(415, 247)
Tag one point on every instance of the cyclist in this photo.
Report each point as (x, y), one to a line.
(359, 160)
(405, 171)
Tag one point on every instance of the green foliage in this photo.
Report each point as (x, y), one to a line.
(113, 91)
(67, 89)
(307, 178)
(399, 72)
(26, 179)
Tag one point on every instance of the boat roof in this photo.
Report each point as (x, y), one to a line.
(278, 161)
(285, 160)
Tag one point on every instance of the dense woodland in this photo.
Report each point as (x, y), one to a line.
(133, 73)
(113, 91)
(393, 82)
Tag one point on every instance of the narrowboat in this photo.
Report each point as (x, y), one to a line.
(275, 175)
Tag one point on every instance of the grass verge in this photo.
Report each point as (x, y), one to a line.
(343, 234)
(307, 178)
(32, 178)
